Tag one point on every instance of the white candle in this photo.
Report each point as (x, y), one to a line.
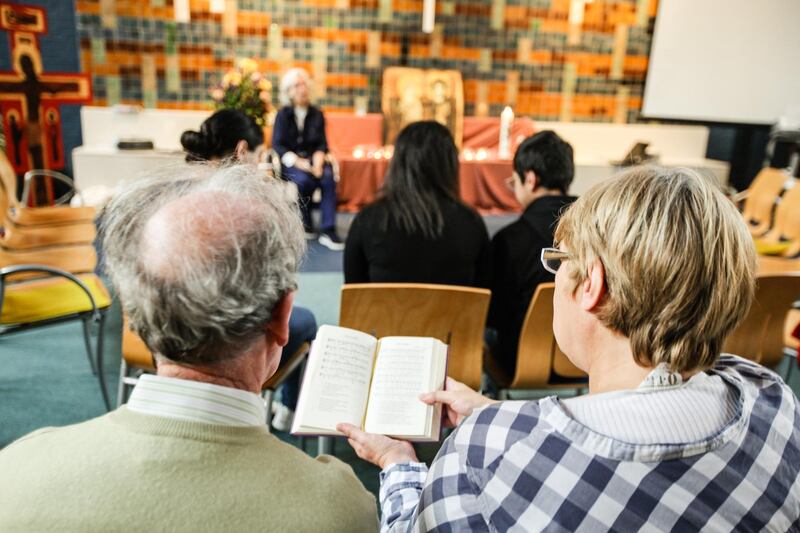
(428, 15)
(506, 118)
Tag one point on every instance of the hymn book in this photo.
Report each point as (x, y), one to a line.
(373, 384)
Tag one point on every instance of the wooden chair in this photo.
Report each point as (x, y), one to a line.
(784, 237)
(760, 337)
(454, 315)
(137, 359)
(760, 198)
(540, 362)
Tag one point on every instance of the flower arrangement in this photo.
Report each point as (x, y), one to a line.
(246, 89)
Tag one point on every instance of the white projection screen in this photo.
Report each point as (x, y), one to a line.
(734, 61)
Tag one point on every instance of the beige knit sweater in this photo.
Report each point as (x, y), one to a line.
(132, 472)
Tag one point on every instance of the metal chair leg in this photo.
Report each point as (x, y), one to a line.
(325, 445)
(101, 376)
(122, 386)
(88, 343)
(97, 367)
(267, 395)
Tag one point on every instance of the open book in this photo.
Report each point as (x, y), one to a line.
(373, 384)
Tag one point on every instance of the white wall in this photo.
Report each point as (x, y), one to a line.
(724, 60)
(104, 126)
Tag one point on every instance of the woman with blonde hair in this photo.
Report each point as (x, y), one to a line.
(653, 269)
(299, 138)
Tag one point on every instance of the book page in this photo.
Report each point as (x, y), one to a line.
(403, 371)
(337, 378)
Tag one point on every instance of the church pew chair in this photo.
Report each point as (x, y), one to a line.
(760, 336)
(540, 362)
(454, 315)
(784, 237)
(760, 198)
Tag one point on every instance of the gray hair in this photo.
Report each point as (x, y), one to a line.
(288, 81)
(201, 257)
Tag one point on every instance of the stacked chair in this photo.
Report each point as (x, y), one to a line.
(47, 263)
(783, 238)
(758, 201)
(771, 209)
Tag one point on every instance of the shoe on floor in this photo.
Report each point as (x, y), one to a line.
(309, 231)
(282, 417)
(330, 240)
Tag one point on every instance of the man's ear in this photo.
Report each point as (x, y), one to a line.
(241, 149)
(278, 325)
(531, 180)
(594, 287)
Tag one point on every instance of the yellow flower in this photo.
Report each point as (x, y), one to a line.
(248, 65)
(264, 84)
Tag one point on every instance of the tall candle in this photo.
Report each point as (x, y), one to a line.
(428, 15)
(506, 118)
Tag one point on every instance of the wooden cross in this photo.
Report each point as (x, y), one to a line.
(29, 98)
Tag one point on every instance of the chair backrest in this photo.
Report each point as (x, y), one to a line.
(75, 259)
(134, 350)
(787, 219)
(761, 198)
(455, 315)
(538, 355)
(760, 336)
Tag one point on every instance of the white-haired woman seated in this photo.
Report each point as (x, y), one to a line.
(299, 138)
(654, 268)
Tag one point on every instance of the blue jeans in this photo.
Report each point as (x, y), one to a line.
(306, 185)
(302, 328)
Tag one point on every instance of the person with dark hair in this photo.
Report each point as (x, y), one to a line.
(419, 230)
(299, 138)
(229, 133)
(543, 171)
(226, 133)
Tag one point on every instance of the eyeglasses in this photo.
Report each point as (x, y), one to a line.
(552, 258)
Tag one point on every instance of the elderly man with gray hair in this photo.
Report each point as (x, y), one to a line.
(205, 267)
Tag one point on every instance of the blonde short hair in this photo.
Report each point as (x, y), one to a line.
(679, 262)
(288, 81)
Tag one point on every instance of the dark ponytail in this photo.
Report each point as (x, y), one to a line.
(219, 134)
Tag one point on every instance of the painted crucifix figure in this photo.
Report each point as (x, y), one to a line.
(26, 93)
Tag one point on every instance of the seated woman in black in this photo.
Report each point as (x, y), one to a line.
(419, 230)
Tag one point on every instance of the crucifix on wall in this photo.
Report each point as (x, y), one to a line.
(30, 100)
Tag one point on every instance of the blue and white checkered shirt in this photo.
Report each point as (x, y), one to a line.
(527, 466)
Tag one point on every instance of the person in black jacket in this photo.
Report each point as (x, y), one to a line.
(299, 138)
(543, 171)
(419, 230)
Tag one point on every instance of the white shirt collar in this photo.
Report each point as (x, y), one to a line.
(196, 402)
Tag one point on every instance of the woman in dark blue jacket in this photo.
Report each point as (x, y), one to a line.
(299, 138)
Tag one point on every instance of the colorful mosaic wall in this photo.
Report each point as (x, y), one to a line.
(577, 60)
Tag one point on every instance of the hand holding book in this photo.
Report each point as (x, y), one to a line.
(458, 400)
